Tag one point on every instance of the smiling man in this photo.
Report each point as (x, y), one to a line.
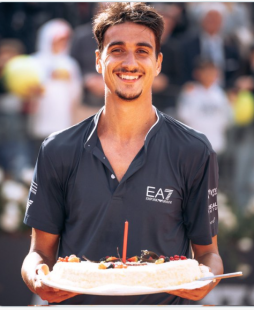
(129, 65)
(128, 162)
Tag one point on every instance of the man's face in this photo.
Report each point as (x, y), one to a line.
(212, 22)
(207, 76)
(128, 62)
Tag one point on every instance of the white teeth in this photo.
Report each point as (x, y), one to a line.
(128, 77)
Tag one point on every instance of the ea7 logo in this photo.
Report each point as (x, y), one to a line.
(158, 195)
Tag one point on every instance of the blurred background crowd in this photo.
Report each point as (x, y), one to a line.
(48, 82)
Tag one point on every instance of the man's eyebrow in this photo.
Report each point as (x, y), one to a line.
(138, 44)
(116, 43)
(145, 44)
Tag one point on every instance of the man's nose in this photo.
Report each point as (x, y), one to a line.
(130, 61)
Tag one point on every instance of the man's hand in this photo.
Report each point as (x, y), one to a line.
(48, 293)
(206, 255)
(40, 259)
(195, 294)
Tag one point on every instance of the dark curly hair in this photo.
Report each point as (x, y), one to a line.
(122, 12)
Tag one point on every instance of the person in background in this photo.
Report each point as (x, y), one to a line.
(14, 144)
(241, 137)
(56, 107)
(167, 84)
(208, 41)
(204, 106)
(82, 49)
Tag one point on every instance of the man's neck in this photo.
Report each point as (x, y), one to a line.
(126, 121)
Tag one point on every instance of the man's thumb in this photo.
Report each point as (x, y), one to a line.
(43, 269)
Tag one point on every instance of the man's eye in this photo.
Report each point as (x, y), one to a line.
(142, 51)
(117, 50)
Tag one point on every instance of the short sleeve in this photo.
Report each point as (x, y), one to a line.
(45, 205)
(201, 210)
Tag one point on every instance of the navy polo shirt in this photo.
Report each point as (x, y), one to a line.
(168, 195)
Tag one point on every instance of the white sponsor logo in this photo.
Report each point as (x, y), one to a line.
(29, 202)
(212, 192)
(212, 207)
(213, 221)
(33, 187)
(158, 195)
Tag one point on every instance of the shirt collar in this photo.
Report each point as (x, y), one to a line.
(215, 38)
(92, 137)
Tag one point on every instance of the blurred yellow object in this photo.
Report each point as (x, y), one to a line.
(244, 108)
(21, 75)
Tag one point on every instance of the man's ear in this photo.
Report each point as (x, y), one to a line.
(159, 62)
(98, 61)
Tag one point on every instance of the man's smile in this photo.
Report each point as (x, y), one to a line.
(127, 77)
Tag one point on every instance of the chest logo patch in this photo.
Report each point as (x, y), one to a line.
(158, 194)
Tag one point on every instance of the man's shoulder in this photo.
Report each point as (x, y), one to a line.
(186, 137)
(69, 139)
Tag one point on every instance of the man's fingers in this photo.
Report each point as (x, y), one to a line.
(57, 297)
(64, 297)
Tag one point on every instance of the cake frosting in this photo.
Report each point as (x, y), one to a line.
(87, 275)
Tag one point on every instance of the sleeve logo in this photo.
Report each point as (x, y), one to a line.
(212, 192)
(33, 187)
(29, 202)
(212, 207)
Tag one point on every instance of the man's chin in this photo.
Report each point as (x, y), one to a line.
(128, 97)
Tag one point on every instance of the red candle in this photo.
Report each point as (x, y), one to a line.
(125, 238)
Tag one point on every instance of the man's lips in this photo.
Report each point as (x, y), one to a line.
(128, 77)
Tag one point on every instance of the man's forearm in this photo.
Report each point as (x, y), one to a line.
(213, 261)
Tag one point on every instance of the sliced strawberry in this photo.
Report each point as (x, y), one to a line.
(111, 259)
(132, 259)
(60, 259)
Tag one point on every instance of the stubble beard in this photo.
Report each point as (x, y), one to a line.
(127, 97)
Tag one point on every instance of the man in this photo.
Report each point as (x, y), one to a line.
(209, 42)
(129, 162)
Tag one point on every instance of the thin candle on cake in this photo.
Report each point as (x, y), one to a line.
(125, 238)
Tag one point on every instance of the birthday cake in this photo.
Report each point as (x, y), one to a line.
(146, 271)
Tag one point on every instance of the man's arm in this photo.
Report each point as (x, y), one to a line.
(41, 258)
(207, 255)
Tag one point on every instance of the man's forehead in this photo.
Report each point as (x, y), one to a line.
(129, 33)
